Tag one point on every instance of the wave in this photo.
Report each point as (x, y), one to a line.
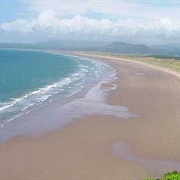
(89, 71)
(26, 101)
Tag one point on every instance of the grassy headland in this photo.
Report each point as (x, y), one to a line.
(167, 62)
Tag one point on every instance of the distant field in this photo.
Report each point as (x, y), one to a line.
(172, 63)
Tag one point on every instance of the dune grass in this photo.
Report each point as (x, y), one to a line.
(170, 63)
(164, 62)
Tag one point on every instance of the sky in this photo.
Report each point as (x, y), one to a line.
(137, 21)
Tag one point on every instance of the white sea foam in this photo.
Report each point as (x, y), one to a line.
(19, 105)
(89, 72)
(40, 94)
(52, 116)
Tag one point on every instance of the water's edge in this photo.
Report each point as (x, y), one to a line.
(55, 111)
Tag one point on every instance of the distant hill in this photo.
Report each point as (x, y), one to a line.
(126, 48)
(115, 47)
(17, 45)
(170, 49)
(59, 45)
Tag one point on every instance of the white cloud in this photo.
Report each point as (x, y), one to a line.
(49, 25)
(98, 19)
(153, 9)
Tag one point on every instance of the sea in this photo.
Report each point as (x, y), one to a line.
(57, 86)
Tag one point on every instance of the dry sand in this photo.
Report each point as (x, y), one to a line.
(105, 147)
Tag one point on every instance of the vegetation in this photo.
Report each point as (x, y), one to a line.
(126, 48)
(171, 63)
(169, 176)
(141, 49)
(167, 62)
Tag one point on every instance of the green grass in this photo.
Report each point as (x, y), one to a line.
(171, 64)
(169, 176)
(167, 62)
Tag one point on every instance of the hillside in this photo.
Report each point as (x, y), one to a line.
(115, 47)
(141, 49)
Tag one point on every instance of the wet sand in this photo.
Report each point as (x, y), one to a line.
(107, 147)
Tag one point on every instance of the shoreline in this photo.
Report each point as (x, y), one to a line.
(109, 57)
(89, 141)
(31, 119)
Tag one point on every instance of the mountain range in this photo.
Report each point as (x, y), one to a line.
(115, 47)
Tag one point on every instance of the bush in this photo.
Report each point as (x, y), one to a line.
(169, 176)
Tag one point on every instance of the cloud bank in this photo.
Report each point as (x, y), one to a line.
(48, 24)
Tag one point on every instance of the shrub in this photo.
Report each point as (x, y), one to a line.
(174, 175)
(171, 176)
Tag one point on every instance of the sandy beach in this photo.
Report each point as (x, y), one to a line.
(106, 147)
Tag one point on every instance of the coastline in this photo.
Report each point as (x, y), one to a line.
(85, 148)
(44, 117)
(109, 57)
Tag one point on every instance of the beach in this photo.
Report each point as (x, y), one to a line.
(144, 144)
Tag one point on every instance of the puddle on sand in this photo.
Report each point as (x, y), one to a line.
(155, 167)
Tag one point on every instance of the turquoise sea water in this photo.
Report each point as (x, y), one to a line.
(22, 71)
(29, 78)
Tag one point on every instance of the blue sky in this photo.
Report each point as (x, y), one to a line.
(111, 19)
(11, 10)
(21, 9)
